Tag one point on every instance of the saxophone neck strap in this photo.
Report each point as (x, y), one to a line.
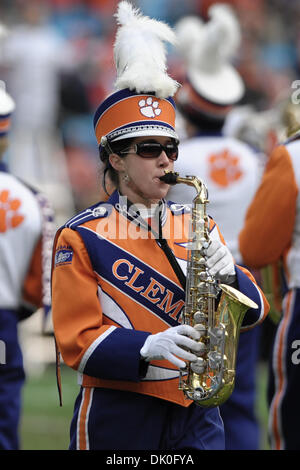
(169, 253)
(173, 261)
(162, 242)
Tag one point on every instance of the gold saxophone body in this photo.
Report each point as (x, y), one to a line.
(209, 381)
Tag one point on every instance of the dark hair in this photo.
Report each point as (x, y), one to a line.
(105, 152)
(203, 121)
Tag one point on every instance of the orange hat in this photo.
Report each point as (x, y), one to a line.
(127, 114)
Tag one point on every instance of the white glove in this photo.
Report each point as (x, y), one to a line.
(165, 344)
(220, 262)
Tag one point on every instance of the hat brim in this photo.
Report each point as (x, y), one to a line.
(223, 87)
(148, 133)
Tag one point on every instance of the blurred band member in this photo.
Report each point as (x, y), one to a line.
(229, 167)
(26, 235)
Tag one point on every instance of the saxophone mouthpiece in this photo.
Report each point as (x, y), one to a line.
(169, 177)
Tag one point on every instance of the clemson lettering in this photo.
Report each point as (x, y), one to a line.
(151, 289)
(151, 292)
(169, 307)
(117, 264)
(136, 274)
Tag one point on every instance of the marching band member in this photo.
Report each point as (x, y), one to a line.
(26, 236)
(271, 236)
(117, 283)
(231, 171)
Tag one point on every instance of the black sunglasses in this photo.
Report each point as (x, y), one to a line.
(154, 149)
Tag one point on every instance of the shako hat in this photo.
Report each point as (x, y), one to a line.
(143, 102)
(212, 85)
(7, 106)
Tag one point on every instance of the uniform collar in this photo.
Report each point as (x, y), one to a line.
(128, 210)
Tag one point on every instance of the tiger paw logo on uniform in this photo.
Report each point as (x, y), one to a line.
(10, 217)
(224, 168)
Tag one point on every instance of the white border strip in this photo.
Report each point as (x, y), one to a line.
(86, 426)
(92, 348)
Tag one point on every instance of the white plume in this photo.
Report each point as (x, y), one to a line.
(140, 53)
(206, 46)
(7, 104)
(225, 28)
(189, 32)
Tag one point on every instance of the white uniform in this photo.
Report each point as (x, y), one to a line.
(26, 236)
(20, 220)
(231, 171)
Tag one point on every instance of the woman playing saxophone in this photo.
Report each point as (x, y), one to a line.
(119, 274)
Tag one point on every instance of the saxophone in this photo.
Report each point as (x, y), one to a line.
(209, 381)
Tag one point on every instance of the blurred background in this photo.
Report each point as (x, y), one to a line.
(56, 58)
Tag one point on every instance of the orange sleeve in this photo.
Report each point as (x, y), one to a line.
(76, 310)
(270, 218)
(32, 288)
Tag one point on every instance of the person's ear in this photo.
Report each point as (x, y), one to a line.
(116, 162)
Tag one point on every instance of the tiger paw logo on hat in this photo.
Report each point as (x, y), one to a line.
(224, 168)
(10, 218)
(149, 108)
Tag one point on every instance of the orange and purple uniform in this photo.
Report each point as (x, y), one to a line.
(112, 286)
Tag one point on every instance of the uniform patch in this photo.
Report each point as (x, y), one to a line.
(63, 256)
(225, 168)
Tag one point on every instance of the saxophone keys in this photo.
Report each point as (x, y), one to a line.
(199, 317)
(202, 288)
(216, 335)
(198, 366)
(201, 261)
(215, 360)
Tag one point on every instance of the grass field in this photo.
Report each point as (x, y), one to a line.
(45, 425)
